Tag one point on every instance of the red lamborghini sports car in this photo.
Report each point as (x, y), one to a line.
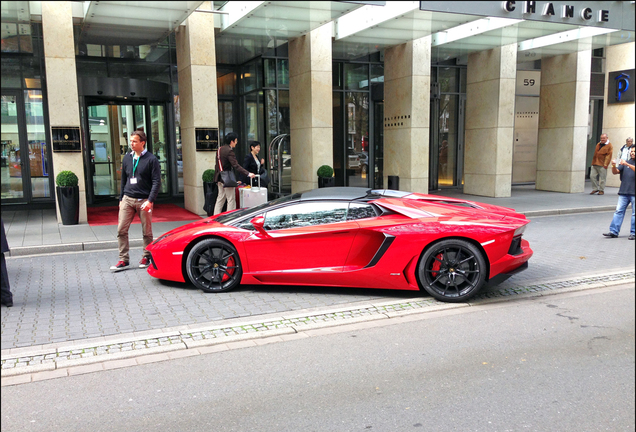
(349, 237)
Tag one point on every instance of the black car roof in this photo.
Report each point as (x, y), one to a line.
(337, 193)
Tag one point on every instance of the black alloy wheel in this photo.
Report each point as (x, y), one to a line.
(213, 265)
(452, 270)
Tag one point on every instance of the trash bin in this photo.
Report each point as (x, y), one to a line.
(394, 182)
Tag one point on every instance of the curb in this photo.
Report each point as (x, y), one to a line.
(568, 211)
(24, 251)
(19, 365)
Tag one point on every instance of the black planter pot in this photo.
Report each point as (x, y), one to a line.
(326, 182)
(68, 200)
(211, 190)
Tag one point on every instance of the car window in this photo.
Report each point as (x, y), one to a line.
(246, 225)
(360, 211)
(306, 214)
(231, 218)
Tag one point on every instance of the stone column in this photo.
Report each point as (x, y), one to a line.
(61, 88)
(310, 99)
(618, 119)
(563, 117)
(407, 80)
(490, 116)
(196, 63)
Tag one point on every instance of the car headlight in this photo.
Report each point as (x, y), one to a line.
(519, 231)
(165, 236)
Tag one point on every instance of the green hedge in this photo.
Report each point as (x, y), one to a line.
(208, 176)
(66, 179)
(325, 171)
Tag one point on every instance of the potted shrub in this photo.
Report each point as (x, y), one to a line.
(325, 177)
(67, 190)
(210, 190)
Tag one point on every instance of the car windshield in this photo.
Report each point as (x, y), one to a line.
(238, 214)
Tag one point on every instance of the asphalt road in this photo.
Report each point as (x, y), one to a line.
(558, 363)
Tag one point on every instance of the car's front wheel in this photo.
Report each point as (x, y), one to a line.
(213, 265)
(452, 270)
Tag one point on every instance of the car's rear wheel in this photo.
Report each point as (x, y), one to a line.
(452, 270)
(213, 265)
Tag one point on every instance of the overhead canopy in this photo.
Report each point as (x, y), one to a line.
(246, 29)
(132, 22)
(456, 28)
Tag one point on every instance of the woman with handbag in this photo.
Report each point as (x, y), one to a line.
(224, 176)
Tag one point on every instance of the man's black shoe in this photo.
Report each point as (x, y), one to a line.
(7, 303)
(631, 237)
(610, 235)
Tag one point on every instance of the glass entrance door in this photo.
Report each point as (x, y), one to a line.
(24, 163)
(158, 142)
(108, 134)
(109, 128)
(446, 141)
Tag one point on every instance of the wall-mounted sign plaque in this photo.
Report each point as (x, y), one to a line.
(66, 139)
(620, 86)
(207, 139)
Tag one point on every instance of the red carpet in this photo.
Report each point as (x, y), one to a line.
(160, 213)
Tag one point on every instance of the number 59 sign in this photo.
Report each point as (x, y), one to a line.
(528, 83)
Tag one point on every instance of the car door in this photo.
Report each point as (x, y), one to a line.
(306, 237)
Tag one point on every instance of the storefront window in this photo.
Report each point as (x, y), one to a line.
(25, 153)
(283, 73)
(357, 138)
(269, 67)
(36, 137)
(356, 76)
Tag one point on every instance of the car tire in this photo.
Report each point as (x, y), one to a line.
(452, 270)
(213, 265)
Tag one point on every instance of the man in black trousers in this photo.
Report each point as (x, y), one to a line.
(7, 297)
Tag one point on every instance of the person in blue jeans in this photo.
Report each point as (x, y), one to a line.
(626, 194)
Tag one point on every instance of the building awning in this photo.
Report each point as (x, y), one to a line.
(457, 30)
(132, 23)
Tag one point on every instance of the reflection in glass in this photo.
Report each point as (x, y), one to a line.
(253, 112)
(447, 79)
(357, 139)
(225, 119)
(305, 214)
(378, 146)
(38, 158)
(108, 140)
(447, 140)
(356, 76)
(160, 142)
(271, 111)
(11, 162)
(269, 66)
(283, 73)
(178, 144)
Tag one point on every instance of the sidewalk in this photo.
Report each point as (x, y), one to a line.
(34, 232)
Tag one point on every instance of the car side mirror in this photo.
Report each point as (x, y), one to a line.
(259, 223)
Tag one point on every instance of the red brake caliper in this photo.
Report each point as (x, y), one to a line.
(230, 263)
(437, 264)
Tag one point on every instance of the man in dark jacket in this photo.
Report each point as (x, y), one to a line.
(227, 160)
(7, 297)
(626, 194)
(140, 183)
